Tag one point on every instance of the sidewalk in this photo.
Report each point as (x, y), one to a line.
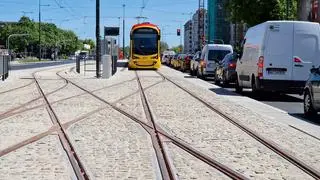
(112, 146)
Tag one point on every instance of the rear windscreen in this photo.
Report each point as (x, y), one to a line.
(217, 55)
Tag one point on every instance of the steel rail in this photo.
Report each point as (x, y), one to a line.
(206, 159)
(65, 141)
(266, 142)
(162, 156)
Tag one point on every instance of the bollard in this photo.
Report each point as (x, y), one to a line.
(106, 66)
(78, 64)
(114, 64)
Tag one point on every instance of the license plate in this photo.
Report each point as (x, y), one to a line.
(276, 72)
(210, 65)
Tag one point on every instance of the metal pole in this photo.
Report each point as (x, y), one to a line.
(98, 48)
(119, 36)
(39, 30)
(9, 44)
(123, 31)
(180, 38)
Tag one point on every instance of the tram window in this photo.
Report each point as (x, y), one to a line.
(145, 44)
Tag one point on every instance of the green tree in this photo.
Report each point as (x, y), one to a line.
(163, 46)
(90, 42)
(177, 49)
(52, 37)
(254, 12)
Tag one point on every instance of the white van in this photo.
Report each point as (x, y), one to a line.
(278, 55)
(166, 55)
(210, 56)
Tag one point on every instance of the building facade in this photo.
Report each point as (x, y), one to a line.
(188, 37)
(219, 29)
(191, 32)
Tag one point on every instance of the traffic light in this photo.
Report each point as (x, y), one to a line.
(178, 32)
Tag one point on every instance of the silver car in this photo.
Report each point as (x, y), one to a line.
(312, 93)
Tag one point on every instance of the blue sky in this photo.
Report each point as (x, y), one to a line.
(79, 15)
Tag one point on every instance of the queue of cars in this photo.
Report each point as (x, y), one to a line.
(277, 56)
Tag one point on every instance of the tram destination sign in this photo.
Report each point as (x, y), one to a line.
(111, 31)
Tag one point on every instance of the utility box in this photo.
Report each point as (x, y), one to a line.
(111, 48)
(106, 66)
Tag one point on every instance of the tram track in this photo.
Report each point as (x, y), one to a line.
(65, 140)
(160, 133)
(17, 88)
(151, 128)
(266, 142)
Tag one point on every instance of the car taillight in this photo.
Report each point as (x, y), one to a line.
(203, 64)
(260, 67)
(232, 65)
(297, 60)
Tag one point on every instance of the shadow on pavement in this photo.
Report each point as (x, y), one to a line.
(271, 97)
(222, 91)
(39, 65)
(190, 77)
(313, 120)
(122, 64)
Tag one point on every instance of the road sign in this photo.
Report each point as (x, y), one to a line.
(111, 31)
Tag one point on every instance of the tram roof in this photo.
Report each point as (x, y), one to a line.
(145, 24)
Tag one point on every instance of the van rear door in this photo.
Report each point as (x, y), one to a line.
(306, 50)
(278, 51)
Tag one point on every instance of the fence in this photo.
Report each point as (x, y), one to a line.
(4, 66)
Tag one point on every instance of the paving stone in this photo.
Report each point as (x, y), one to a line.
(43, 159)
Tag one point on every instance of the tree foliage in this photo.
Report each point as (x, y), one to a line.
(52, 37)
(90, 42)
(254, 12)
(163, 46)
(177, 49)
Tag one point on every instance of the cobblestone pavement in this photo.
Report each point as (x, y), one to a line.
(114, 147)
(299, 144)
(111, 146)
(43, 159)
(206, 131)
(189, 167)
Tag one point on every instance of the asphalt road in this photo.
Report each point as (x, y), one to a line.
(291, 103)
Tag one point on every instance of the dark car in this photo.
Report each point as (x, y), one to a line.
(311, 101)
(226, 70)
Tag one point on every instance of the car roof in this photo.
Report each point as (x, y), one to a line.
(219, 45)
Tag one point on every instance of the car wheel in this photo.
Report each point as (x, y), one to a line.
(198, 74)
(254, 86)
(307, 105)
(239, 89)
(225, 80)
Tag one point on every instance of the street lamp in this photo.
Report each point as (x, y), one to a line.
(123, 30)
(13, 35)
(40, 28)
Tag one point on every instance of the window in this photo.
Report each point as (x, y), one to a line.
(217, 55)
(309, 44)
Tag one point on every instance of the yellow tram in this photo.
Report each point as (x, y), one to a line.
(144, 47)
